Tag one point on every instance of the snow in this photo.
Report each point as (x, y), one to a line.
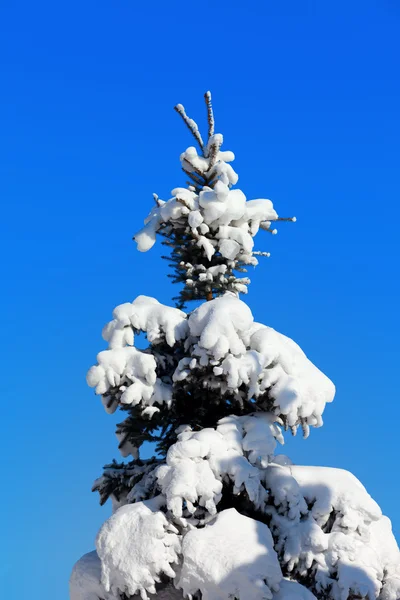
(195, 219)
(220, 220)
(291, 590)
(226, 212)
(256, 212)
(223, 333)
(231, 557)
(133, 372)
(85, 583)
(207, 246)
(186, 480)
(242, 238)
(248, 360)
(324, 517)
(354, 568)
(85, 580)
(391, 588)
(217, 168)
(381, 538)
(221, 325)
(118, 363)
(260, 436)
(299, 389)
(229, 248)
(146, 314)
(135, 546)
(127, 376)
(328, 489)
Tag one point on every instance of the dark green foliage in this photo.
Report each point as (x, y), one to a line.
(118, 479)
(188, 263)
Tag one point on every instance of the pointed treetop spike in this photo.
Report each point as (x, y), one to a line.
(191, 125)
(210, 114)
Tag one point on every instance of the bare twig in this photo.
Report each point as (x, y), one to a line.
(292, 219)
(210, 114)
(195, 177)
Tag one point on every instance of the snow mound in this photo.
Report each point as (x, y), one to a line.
(331, 490)
(136, 545)
(232, 557)
(85, 581)
(291, 590)
(391, 588)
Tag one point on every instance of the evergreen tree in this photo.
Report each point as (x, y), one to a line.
(217, 514)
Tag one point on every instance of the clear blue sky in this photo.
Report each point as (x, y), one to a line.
(307, 95)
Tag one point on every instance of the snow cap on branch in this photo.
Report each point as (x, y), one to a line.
(218, 347)
(199, 462)
(256, 361)
(136, 545)
(232, 556)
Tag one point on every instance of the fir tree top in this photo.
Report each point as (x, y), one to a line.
(208, 226)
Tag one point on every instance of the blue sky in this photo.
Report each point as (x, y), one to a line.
(307, 95)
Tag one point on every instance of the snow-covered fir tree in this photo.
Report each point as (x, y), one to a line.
(219, 513)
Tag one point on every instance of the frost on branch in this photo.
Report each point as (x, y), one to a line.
(209, 226)
(136, 546)
(231, 557)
